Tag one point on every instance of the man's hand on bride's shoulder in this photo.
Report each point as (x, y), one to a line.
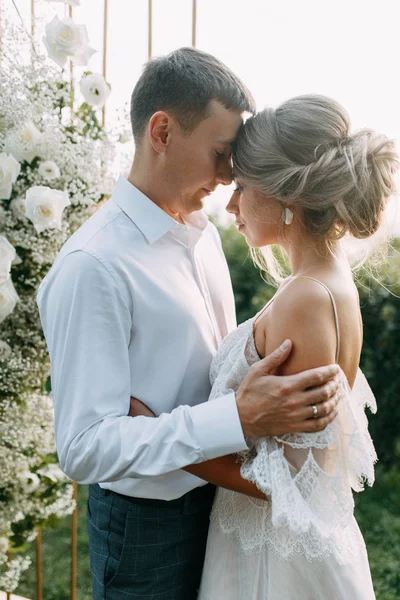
(271, 405)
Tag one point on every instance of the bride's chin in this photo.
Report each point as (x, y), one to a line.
(250, 242)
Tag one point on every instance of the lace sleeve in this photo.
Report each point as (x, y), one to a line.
(309, 477)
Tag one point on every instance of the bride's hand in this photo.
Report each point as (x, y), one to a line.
(137, 409)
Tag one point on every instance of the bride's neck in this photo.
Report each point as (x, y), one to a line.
(307, 254)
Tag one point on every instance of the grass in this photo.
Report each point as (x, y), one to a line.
(377, 512)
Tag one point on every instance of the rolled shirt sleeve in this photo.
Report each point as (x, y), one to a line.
(88, 326)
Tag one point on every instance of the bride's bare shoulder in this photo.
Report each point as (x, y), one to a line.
(303, 312)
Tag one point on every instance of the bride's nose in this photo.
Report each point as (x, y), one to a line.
(233, 204)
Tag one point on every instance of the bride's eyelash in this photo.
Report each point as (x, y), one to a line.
(238, 188)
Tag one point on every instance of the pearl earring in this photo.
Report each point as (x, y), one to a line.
(288, 216)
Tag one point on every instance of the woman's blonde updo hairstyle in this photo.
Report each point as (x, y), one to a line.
(303, 154)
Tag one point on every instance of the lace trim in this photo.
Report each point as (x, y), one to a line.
(256, 532)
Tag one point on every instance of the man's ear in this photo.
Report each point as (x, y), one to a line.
(159, 130)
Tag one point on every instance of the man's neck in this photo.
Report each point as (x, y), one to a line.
(139, 177)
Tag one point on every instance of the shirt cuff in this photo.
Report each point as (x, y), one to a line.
(217, 427)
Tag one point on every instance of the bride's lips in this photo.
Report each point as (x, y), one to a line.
(239, 225)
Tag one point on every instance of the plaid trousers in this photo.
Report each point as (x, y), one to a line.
(147, 549)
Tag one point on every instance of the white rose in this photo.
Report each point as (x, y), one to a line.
(18, 207)
(7, 256)
(52, 472)
(5, 351)
(95, 89)
(29, 481)
(65, 38)
(49, 170)
(23, 143)
(9, 171)
(8, 299)
(44, 207)
(4, 545)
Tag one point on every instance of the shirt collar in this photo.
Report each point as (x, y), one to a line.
(152, 221)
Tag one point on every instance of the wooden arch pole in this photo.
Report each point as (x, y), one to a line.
(150, 30)
(39, 568)
(33, 15)
(105, 48)
(8, 594)
(33, 26)
(194, 23)
(74, 543)
(71, 65)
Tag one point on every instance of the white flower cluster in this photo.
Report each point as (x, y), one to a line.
(13, 570)
(26, 451)
(56, 163)
(27, 477)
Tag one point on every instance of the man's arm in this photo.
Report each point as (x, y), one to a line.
(223, 471)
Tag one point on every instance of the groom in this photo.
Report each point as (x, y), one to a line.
(136, 304)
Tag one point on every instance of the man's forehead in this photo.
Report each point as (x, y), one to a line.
(217, 110)
(221, 124)
(225, 129)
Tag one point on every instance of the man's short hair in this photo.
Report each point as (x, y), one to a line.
(183, 83)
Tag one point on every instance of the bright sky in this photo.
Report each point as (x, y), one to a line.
(347, 49)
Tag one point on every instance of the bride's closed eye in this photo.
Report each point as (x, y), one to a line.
(238, 188)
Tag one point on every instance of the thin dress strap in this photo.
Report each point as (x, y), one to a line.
(334, 311)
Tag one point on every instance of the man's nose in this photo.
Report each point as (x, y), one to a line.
(224, 171)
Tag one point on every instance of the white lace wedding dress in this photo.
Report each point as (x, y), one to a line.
(303, 544)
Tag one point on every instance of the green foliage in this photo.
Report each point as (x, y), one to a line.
(380, 359)
(378, 515)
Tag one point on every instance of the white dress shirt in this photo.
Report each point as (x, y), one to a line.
(136, 305)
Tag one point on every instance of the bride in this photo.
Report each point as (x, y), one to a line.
(303, 181)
